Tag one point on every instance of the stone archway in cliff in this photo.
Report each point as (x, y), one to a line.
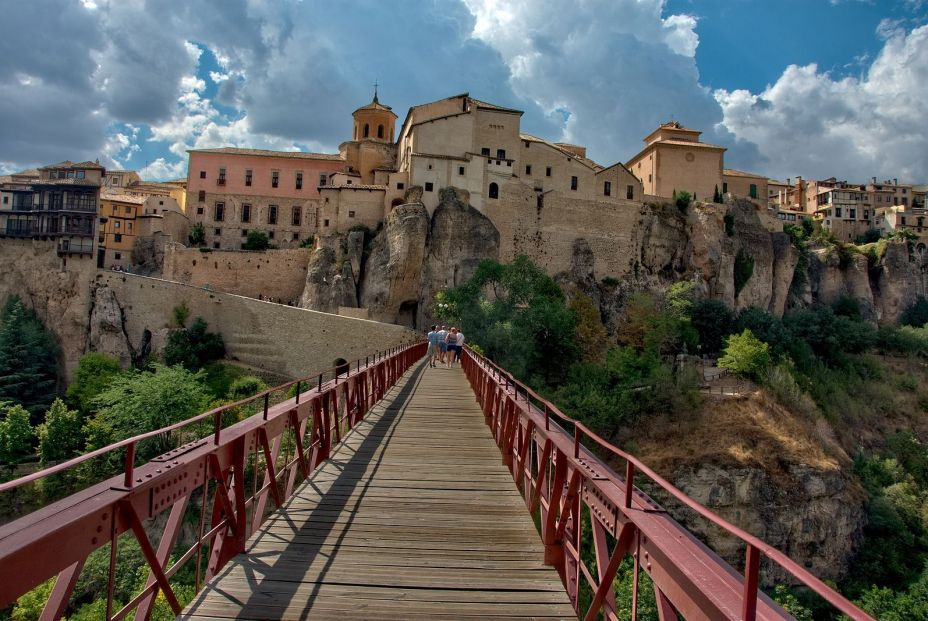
(406, 315)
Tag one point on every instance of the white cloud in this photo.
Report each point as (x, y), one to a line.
(161, 170)
(813, 124)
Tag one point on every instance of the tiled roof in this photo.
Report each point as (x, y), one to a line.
(122, 198)
(299, 155)
(489, 106)
(740, 173)
(583, 160)
(70, 164)
(687, 143)
(85, 182)
(353, 186)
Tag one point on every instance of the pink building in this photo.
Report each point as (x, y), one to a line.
(231, 191)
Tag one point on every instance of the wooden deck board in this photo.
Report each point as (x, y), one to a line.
(413, 517)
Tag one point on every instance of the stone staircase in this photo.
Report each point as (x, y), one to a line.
(254, 350)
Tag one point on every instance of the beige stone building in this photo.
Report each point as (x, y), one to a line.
(674, 159)
(740, 184)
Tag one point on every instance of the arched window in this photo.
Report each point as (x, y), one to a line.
(494, 191)
(367, 130)
(380, 131)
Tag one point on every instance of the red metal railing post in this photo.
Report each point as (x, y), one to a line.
(576, 442)
(266, 399)
(298, 386)
(629, 483)
(751, 565)
(130, 465)
(217, 425)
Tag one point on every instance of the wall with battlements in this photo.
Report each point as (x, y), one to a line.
(271, 274)
(282, 340)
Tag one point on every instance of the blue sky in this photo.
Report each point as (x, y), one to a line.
(816, 88)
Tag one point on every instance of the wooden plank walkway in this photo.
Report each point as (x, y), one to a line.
(413, 517)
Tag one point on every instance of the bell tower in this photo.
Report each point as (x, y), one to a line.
(374, 121)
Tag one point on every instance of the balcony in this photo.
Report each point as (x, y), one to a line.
(17, 231)
(80, 247)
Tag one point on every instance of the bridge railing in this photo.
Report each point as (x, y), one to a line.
(564, 483)
(216, 474)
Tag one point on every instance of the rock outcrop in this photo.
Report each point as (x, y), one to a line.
(330, 280)
(107, 334)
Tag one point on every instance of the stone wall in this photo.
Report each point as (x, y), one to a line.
(272, 274)
(286, 341)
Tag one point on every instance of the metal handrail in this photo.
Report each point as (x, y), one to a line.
(808, 579)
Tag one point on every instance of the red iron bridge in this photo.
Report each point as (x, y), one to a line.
(387, 489)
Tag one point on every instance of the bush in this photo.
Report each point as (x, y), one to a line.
(246, 386)
(93, 374)
(256, 240)
(915, 315)
(682, 199)
(16, 434)
(846, 306)
(197, 235)
(871, 236)
(712, 320)
(744, 269)
(609, 281)
(783, 386)
(193, 347)
(745, 355)
(309, 242)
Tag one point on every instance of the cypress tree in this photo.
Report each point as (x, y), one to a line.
(28, 360)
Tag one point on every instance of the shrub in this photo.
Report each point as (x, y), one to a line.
(256, 240)
(193, 347)
(309, 242)
(197, 235)
(180, 314)
(712, 320)
(745, 355)
(915, 315)
(682, 199)
(872, 235)
(16, 434)
(28, 359)
(846, 306)
(744, 269)
(246, 386)
(609, 281)
(60, 435)
(782, 385)
(94, 372)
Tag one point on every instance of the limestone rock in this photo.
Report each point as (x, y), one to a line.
(900, 277)
(330, 282)
(107, 334)
(460, 238)
(392, 276)
(817, 518)
(833, 274)
(785, 259)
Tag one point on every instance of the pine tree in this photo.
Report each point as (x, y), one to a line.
(28, 359)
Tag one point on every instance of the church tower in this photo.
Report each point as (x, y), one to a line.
(374, 121)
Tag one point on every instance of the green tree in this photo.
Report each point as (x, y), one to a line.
(745, 355)
(93, 373)
(16, 434)
(592, 338)
(713, 321)
(256, 240)
(28, 359)
(180, 314)
(193, 347)
(60, 435)
(29, 607)
(246, 386)
(197, 234)
(141, 401)
(916, 315)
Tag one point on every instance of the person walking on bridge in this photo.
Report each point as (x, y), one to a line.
(432, 337)
(452, 346)
(459, 346)
(442, 343)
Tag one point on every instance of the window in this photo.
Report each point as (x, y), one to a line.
(275, 179)
(128, 209)
(350, 214)
(501, 154)
(428, 186)
(367, 130)
(216, 245)
(837, 212)
(299, 181)
(753, 190)
(129, 225)
(296, 237)
(201, 195)
(527, 144)
(80, 175)
(272, 214)
(485, 151)
(297, 215)
(325, 222)
(853, 213)
(244, 232)
(866, 213)
(199, 211)
(161, 202)
(202, 174)
(117, 255)
(573, 183)
(380, 131)
(248, 177)
(905, 202)
(630, 192)
(219, 212)
(547, 171)
(6, 200)
(222, 177)
(494, 191)
(903, 221)
(607, 188)
(649, 178)
(246, 212)
(430, 167)
(322, 178)
(117, 237)
(724, 186)
(270, 234)
(460, 170)
(116, 223)
(528, 169)
(400, 185)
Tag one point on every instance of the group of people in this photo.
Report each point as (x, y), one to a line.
(445, 346)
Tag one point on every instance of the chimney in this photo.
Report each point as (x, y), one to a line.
(873, 180)
(895, 181)
(788, 179)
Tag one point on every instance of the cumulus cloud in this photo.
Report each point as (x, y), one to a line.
(813, 124)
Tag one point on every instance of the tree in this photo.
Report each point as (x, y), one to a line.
(745, 355)
(28, 359)
(16, 434)
(197, 235)
(592, 338)
(256, 240)
(716, 196)
(246, 386)
(713, 321)
(915, 315)
(94, 372)
(141, 401)
(60, 435)
(194, 347)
